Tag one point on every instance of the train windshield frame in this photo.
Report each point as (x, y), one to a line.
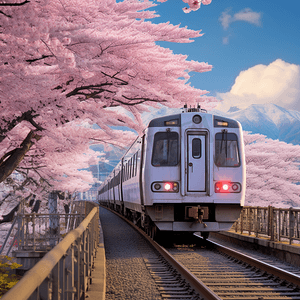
(227, 150)
(165, 149)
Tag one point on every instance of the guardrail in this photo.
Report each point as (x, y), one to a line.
(277, 224)
(65, 271)
(41, 232)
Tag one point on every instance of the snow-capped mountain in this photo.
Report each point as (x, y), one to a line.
(268, 119)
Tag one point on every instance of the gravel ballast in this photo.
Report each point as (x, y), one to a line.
(126, 274)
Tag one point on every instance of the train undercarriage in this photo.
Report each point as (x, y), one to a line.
(177, 223)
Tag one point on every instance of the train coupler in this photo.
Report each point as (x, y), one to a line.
(197, 214)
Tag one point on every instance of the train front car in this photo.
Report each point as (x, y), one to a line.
(193, 173)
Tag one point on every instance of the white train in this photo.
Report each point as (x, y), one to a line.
(186, 173)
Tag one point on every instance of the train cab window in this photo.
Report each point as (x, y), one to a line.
(165, 149)
(226, 150)
(196, 148)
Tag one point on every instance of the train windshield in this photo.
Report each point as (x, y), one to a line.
(165, 149)
(226, 151)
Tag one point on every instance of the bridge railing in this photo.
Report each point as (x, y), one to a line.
(41, 232)
(65, 271)
(44, 231)
(276, 224)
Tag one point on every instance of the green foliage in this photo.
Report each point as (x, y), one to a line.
(7, 279)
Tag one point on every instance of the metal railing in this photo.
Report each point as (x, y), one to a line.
(276, 224)
(65, 271)
(41, 232)
(44, 231)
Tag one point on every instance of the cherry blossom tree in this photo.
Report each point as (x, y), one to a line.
(273, 172)
(64, 65)
(193, 4)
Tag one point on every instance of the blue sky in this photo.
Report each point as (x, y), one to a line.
(261, 38)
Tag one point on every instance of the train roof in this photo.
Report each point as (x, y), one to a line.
(175, 121)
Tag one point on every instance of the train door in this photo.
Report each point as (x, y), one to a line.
(196, 162)
(113, 189)
(121, 186)
(141, 169)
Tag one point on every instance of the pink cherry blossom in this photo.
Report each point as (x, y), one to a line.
(66, 65)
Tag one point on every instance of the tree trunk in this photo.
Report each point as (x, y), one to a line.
(10, 161)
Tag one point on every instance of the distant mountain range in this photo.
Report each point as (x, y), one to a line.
(268, 119)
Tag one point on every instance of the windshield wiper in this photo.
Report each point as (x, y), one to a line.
(224, 139)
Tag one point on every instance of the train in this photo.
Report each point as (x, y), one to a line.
(184, 174)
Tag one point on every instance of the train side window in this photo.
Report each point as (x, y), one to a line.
(124, 174)
(196, 148)
(165, 149)
(133, 165)
(136, 162)
(226, 150)
(128, 170)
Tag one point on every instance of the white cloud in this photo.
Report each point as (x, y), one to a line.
(226, 40)
(225, 19)
(246, 15)
(249, 16)
(277, 83)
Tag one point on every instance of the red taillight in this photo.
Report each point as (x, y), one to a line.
(227, 187)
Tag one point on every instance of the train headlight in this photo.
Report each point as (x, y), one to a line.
(167, 187)
(157, 186)
(197, 119)
(227, 187)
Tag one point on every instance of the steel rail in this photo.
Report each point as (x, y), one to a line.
(195, 283)
(280, 273)
(36, 275)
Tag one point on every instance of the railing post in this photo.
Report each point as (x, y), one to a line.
(88, 256)
(33, 230)
(297, 234)
(85, 261)
(242, 219)
(270, 223)
(82, 263)
(78, 268)
(56, 282)
(248, 220)
(250, 224)
(26, 231)
(70, 288)
(256, 222)
(291, 224)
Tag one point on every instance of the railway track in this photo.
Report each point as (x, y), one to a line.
(231, 275)
(214, 272)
